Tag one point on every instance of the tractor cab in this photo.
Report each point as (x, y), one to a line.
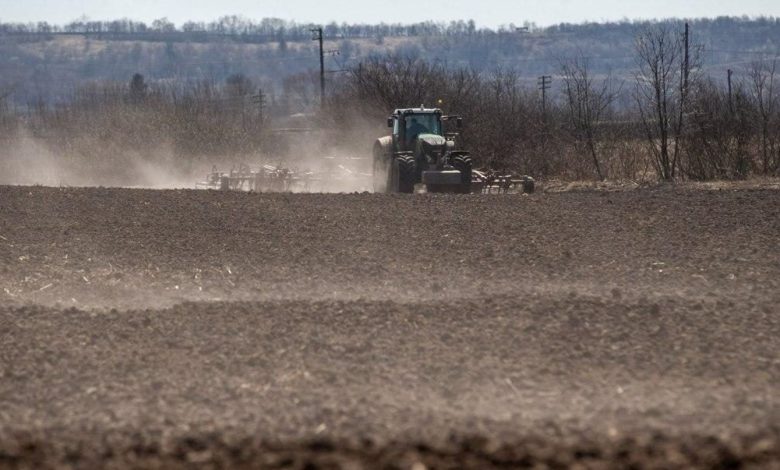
(408, 124)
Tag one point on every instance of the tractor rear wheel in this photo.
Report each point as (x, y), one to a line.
(462, 163)
(403, 174)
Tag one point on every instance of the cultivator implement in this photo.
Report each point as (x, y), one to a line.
(489, 181)
(265, 178)
(339, 177)
(269, 178)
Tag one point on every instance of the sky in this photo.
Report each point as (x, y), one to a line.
(486, 13)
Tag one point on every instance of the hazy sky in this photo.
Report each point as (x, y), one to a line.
(485, 12)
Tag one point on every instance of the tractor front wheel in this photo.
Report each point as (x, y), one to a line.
(403, 174)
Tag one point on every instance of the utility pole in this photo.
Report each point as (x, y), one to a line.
(686, 65)
(729, 73)
(318, 37)
(544, 85)
(260, 100)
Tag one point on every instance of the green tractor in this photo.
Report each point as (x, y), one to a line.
(420, 151)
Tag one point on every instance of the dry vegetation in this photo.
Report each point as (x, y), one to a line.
(670, 123)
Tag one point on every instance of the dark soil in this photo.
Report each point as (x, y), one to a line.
(635, 329)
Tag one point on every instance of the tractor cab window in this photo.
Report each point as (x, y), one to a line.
(417, 124)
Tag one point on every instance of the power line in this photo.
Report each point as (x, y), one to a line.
(544, 83)
(318, 37)
(743, 51)
(686, 67)
(729, 73)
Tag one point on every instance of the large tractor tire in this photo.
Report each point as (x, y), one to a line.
(403, 174)
(462, 163)
(528, 185)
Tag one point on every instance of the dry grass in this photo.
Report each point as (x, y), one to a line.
(755, 183)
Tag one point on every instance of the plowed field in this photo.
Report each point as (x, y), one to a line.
(170, 329)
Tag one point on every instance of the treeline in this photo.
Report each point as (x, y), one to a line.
(36, 63)
(241, 29)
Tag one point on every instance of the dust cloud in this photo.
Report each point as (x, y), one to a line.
(312, 160)
(29, 161)
(322, 156)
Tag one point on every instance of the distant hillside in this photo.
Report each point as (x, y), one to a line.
(45, 63)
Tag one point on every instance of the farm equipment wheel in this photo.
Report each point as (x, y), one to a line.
(403, 174)
(528, 185)
(462, 163)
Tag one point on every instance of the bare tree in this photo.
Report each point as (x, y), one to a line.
(239, 85)
(395, 81)
(587, 104)
(138, 88)
(720, 132)
(761, 81)
(5, 119)
(661, 93)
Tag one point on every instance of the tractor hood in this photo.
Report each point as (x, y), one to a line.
(431, 142)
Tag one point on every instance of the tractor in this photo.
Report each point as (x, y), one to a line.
(419, 151)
